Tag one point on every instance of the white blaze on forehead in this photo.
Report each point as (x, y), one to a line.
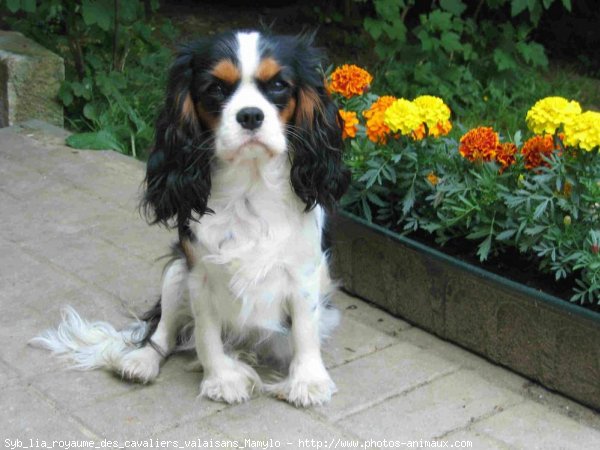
(248, 54)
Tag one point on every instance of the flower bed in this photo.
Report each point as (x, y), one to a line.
(539, 196)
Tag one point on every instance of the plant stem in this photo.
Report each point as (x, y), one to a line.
(478, 10)
(116, 36)
(133, 151)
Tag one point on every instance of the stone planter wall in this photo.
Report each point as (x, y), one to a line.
(542, 337)
(30, 77)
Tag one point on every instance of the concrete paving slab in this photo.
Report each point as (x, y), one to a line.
(27, 417)
(27, 281)
(384, 374)
(478, 440)
(530, 425)
(432, 410)
(353, 340)
(196, 431)
(146, 410)
(263, 419)
(370, 315)
(7, 375)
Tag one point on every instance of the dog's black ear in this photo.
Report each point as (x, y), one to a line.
(318, 173)
(178, 171)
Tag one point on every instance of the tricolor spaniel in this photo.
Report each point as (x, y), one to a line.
(247, 157)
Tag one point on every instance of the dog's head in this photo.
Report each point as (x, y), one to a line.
(241, 96)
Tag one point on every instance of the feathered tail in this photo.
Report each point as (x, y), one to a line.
(91, 345)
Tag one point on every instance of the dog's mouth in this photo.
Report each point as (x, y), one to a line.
(251, 147)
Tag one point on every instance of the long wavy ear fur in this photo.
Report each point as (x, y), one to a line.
(178, 170)
(318, 173)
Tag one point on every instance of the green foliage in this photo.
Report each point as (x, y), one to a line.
(115, 65)
(550, 215)
(473, 54)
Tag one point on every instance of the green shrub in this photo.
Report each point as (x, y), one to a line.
(478, 56)
(115, 65)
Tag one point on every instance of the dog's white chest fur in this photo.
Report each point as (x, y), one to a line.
(259, 247)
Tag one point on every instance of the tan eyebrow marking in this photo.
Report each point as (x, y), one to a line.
(227, 71)
(267, 69)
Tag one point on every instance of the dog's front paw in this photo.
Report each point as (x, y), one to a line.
(231, 385)
(141, 365)
(308, 384)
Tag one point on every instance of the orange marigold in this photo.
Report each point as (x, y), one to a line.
(377, 130)
(419, 132)
(505, 155)
(350, 123)
(433, 178)
(441, 129)
(479, 144)
(534, 148)
(349, 80)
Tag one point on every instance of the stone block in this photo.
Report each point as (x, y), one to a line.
(30, 77)
(530, 425)
(382, 375)
(432, 410)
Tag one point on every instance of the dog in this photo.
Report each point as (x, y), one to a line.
(247, 160)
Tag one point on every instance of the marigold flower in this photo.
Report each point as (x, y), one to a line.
(377, 130)
(505, 155)
(441, 129)
(432, 111)
(402, 115)
(584, 131)
(433, 178)
(349, 80)
(479, 144)
(350, 123)
(549, 113)
(534, 148)
(419, 133)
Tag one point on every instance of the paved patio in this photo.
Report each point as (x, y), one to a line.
(70, 233)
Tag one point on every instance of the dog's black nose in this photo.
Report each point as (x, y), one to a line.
(250, 118)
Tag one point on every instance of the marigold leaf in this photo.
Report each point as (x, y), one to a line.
(484, 249)
(541, 208)
(505, 235)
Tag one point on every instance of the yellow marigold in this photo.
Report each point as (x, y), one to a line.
(505, 155)
(432, 111)
(549, 113)
(377, 130)
(349, 80)
(350, 123)
(402, 115)
(433, 178)
(584, 131)
(479, 144)
(534, 148)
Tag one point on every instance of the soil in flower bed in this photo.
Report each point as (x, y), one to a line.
(509, 264)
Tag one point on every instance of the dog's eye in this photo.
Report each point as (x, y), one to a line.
(218, 90)
(277, 86)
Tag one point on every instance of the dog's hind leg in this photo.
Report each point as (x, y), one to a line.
(143, 364)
